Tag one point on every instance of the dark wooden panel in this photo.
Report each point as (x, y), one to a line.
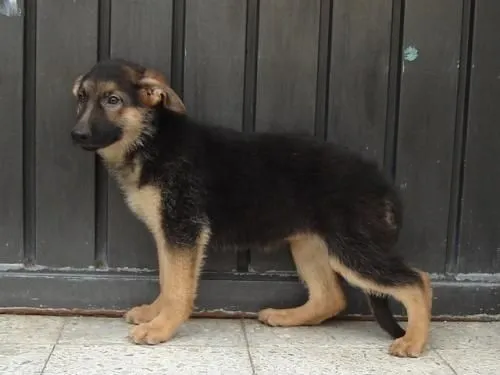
(361, 43)
(287, 65)
(66, 47)
(11, 140)
(142, 32)
(286, 84)
(214, 60)
(214, 65)
(431, 52)
(480, 226)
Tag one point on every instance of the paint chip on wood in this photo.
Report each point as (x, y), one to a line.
(410, 53)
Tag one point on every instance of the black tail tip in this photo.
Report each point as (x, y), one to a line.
(384, 317)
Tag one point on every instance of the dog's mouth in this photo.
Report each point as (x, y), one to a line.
(87, 146)
(97, 141)
(90, 147)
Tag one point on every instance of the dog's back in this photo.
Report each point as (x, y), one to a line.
(262, 188)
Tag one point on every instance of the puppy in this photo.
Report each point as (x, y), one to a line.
(195, 185)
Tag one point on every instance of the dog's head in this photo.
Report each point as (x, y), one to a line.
(115, 101)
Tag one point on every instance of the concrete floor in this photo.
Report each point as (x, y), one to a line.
(87, 346)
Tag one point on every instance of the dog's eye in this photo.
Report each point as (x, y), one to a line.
(82, 96)
(113, 100)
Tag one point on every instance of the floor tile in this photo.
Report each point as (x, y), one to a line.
(259, 334)
(195, 332)
(86, 330)
(457, 335)
(211, 332)
(473, 361)
(138, 360)
(23, 359)
(291, 360)
(359, 334)
(213, 346)
(30, 328)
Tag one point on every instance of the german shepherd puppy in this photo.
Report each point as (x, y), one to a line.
(195, 185)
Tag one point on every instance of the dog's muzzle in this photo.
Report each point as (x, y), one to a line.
(83, 138)
(80, 136)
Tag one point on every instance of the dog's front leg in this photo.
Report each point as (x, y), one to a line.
(146, 313)
(179, 272)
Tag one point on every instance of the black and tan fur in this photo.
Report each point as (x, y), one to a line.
(195, 185)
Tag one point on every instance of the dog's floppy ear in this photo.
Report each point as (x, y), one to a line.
(76, 85)
(153, 90)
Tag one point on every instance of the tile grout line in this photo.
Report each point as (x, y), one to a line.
(48, 358)
(445, 361)
(65, 319)
(243, 327)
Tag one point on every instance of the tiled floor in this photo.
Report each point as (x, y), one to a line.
(87, 346)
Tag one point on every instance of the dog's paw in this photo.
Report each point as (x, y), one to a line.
(150, 334)
(140, 314)
(299, 316)
(407, 347)
(274, 317)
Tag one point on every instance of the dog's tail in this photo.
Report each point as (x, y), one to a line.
(384, 317)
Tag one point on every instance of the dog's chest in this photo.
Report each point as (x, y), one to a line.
(145, 201)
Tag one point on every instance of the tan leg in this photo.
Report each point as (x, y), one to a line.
(146, 313)
(417, 301)
(418, 304)
(179, 284)
(326, 298)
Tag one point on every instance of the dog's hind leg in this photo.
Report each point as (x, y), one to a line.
(326, 298)
(379, 273)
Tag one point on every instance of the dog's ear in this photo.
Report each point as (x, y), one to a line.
(154, 89)
(76, 85)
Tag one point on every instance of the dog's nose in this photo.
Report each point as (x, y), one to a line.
(80, 135)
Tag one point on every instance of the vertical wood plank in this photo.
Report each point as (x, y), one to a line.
(214, 61)
(454, 217)
(101, 174)
(287, 70)
(431, 52)
(393, 90)
(29, 133)
(66, 47)
(11, 140)
(361, 47)
(287, 65)
(323, 70)
(479, 249)
(360, 54)
(250, 85)
(365, 41)
(141, 31)
(214, 65)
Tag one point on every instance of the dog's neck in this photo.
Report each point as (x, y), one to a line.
(126, 172)
(123, 164)
(124, 159)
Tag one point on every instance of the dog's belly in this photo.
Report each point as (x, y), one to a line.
(249, 232)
